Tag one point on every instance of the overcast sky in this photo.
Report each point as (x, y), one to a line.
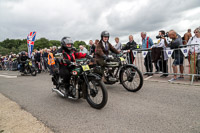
(86, 19)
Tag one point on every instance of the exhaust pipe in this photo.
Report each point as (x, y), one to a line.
(59, 92)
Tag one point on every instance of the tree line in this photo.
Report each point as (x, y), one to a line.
(17, 45)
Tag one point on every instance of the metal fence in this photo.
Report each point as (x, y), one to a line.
(162, 59)
(9, 65)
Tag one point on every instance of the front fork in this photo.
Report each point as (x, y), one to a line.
(86, 81)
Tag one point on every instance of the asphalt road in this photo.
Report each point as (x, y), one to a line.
(156, 108)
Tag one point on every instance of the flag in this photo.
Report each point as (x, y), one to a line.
(144, 53)
(185, 51)
(30, 42)
(169, 53)
(134, 53)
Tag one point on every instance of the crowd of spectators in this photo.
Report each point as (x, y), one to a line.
(157, 53)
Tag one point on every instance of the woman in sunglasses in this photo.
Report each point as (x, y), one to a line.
(194, 52)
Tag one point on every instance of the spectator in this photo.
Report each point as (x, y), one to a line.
(163, 64)
(1, 62)
(45, 57)
(37, 60)
(118, 45)
(92, 48)
(83, 49)
(33, 58)
(146, 44)
(187, 36)
(194, 51)
(129, 47)
(96, 42)
(177, 54)
(51, 49)
(54, 50)
(51, 61)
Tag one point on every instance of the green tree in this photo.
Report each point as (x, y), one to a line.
(4, 51)
(18, 45)
(78, 43)
(54, 43)
(23, 47)
(41, 43)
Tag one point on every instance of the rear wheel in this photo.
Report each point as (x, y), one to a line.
(131, 79)
(97, 96)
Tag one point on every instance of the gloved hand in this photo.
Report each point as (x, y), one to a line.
(66, 61)
(22, 62)
(106, 58)
(89, 57)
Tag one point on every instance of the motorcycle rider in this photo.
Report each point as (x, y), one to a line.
(22, 60)
(102, 50)
(69, 55)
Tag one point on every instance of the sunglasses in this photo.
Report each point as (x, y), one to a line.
(196, 32)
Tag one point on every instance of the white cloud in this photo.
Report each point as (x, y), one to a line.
(84, 20)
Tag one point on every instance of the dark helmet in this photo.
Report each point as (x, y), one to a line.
(105, 34)
(23, 53)
(65, 41)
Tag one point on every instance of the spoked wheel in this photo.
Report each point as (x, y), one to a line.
(33, 72)
(131, 79)
(97, 97)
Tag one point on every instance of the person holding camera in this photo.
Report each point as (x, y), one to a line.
(146, 44)
(163, 64)
(177, 54)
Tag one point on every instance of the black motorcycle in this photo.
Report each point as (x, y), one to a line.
(29, 68)
(83, 84)
(118, 70)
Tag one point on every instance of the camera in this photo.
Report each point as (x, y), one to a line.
(157, 37)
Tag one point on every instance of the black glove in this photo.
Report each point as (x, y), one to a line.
(106, 58)
(66, 61)
(89, 57)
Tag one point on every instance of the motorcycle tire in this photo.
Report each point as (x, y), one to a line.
(98, 87)
(135, 72)
(33, 72)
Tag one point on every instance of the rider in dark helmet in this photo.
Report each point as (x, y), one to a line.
(22, 60)
(69, 56)
(102, 50)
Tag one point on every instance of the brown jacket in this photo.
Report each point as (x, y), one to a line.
(100, 50)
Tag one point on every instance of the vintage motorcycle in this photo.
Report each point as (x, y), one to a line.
(83, 84)
(29, 68)
(118, 70)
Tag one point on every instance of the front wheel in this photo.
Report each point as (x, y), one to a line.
(33, 72)
(97, 96)
(131, 78)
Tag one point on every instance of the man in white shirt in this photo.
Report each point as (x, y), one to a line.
(83, 49)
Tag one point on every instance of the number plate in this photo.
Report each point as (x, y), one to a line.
(122, 59)
(85, 67)
(30, 63)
